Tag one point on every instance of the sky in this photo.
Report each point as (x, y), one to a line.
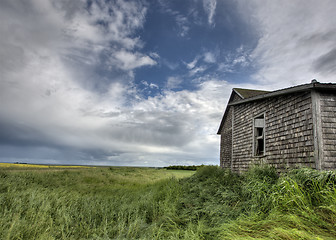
(146, 82)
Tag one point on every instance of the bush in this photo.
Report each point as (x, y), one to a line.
(181, 167)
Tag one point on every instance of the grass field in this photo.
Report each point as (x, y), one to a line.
(147, 203)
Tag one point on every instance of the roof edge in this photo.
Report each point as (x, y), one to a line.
(223, 119)
(235, 90)
(299, 88)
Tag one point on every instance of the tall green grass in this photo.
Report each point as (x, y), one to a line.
(142, 203)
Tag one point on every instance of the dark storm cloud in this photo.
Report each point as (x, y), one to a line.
(318, 37)
(326, 64)
(17, 134)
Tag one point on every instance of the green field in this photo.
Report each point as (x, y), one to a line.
(147, 203)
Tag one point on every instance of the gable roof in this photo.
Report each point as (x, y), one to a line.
(249, 95)
(242, 94)
(300, 88)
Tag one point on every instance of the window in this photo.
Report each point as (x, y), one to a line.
(259, 135)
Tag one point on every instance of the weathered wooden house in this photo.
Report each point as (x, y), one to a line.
(286, 128)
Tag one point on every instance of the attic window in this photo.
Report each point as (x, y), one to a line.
(259, 135)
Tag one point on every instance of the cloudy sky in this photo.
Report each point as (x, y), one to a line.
(145, 83)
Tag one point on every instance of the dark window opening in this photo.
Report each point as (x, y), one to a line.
(259, 136)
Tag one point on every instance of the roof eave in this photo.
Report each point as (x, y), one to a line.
(300, 88)
(235, 90)
(223, 119)
(226, 109)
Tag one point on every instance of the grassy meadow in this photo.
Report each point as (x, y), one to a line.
(148, 203)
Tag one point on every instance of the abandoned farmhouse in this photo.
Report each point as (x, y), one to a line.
(287, 128)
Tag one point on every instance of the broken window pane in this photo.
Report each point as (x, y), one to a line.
(259, 138)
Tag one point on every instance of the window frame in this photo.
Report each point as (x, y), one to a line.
(254, 137)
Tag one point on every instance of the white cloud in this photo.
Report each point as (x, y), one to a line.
(145, 83)
(193, 63)
(150, 85)
(129, 61)
(210, 8)
(297, 40)
(240, 60)
(192, 117)
(181, 20)
(225, 67)
(195, 67)
(235, 60)
(173, 83)
(154, 55)
(209, 57)
(170, 65)
(197, 70)
(153, 85)
(120, 19)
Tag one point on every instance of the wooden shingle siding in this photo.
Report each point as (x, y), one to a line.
(288, 132)
(328, 120)
(242, 140)
(226, 134)
(226, 141)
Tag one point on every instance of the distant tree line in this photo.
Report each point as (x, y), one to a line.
(181, 167)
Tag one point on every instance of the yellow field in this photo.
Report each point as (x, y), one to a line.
(20, 165)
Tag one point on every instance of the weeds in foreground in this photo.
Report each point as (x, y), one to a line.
(134, 203)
